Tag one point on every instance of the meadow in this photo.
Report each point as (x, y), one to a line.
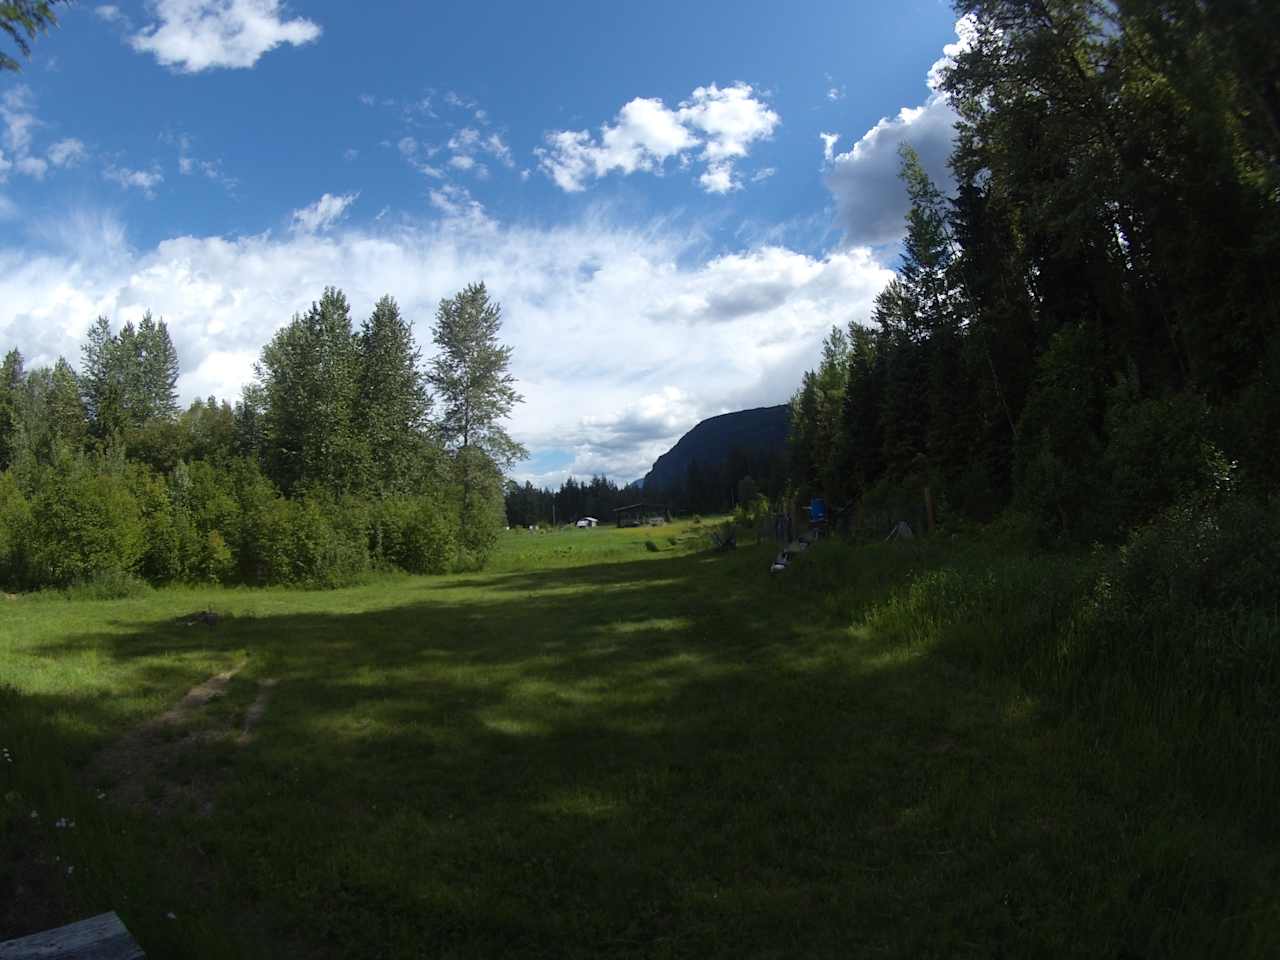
(594, 748)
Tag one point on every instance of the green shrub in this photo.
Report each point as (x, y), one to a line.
(163, 559)
(15, 532)
(255, 503)
(1158, 453)
(416, 534)
(83, 525)
(213, 562)
(108, 585)
(1058, 473)
(301, 544)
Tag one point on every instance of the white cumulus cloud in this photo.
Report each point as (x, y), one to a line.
(619, 333)
(195, 35)
(720, 123)
(871, 202)
(322, 214)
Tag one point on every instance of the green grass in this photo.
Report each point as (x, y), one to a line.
(592, 749)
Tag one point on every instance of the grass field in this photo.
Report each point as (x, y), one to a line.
(594, 749)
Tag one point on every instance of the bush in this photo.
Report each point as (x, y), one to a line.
(1058, 473)
(15, 532)
(164, 558)
(482, 514)
(300, 544)
(416, 534)
(84, 525)
(108, 585)
(1158, 453)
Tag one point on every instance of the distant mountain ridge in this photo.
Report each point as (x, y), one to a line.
(759, 431)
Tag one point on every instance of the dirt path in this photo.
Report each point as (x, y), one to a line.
(167, 764)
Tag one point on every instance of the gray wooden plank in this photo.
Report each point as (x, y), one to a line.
(103, 937)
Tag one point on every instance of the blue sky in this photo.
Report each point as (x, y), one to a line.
(674, 202)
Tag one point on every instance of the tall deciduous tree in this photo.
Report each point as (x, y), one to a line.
(128, 378)
(477, 393)
(471, 378)
(310, 375)
(51, 421)
(392, 402)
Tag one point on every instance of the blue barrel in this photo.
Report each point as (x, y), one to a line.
(817, 510)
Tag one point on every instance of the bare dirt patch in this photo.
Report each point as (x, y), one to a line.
(257, 710)
(176, 761)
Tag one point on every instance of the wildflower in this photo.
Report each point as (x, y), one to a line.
(171, 915)
(70, 871)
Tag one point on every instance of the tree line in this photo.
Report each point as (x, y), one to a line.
(346, 453)
(530, 506)
(716, 487)
(1084, 330)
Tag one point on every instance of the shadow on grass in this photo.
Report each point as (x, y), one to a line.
(651, 758)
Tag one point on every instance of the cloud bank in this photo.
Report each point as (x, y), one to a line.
(623, 337)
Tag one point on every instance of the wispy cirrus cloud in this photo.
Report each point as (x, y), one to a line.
(145, 181)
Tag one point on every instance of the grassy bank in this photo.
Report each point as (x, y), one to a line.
(594, 749)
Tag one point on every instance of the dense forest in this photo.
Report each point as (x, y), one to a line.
(346, 454)
(530, 506)
(1082, 336)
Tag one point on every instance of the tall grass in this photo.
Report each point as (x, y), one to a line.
(1168, 646)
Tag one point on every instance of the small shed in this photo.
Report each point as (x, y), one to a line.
(638, 514)
(588, 522)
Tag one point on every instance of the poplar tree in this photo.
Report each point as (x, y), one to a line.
(477, 393)
(310, 372)
(392, 405)
(157, 370)
(130, 377)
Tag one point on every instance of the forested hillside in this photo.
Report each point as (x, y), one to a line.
(706, 467)
(345, 454)
(1085, 329)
